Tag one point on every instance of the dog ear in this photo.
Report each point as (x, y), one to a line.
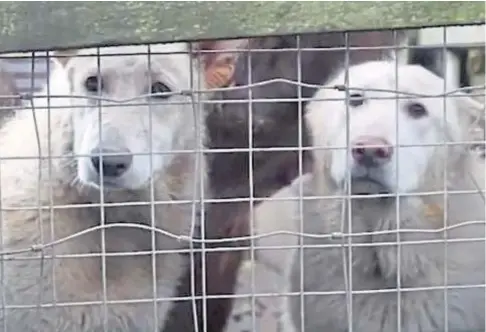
(219, 58)
(474, 108)
(474, 112)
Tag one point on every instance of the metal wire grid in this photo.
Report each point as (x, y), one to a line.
(192, 239)
(346, 237)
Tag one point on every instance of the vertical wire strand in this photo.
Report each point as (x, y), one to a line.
(397, 180)
(250, 182)
(199, 200)
(349, 290)
(446, 174)
(201, 170)
(50, 177)
(152, 196)
(40, 224)
(301, 189)
(102, 196)
(198, 162)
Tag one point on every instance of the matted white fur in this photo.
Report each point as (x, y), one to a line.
(375, 273)
(416, 169)
(268, 273)
(68, 286)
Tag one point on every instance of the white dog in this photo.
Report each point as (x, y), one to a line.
(373, 276)
(111, 143)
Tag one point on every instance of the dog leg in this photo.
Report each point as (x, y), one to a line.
(270, 312)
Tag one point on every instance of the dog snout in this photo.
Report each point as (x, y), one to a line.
(114, 163)
(370, 151)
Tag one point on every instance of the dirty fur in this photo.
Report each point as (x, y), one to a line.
(374, 264)
(26, 183)
(420, 265)
(376, 267)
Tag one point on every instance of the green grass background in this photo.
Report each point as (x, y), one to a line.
(48, 25)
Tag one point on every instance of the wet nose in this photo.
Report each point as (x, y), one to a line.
(112, 165)
(370, 151)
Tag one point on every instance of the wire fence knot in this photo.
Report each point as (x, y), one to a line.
(36, 247)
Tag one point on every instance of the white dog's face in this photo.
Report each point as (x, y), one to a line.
(132, 135)
(386, 144)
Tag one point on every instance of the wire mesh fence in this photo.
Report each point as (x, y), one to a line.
(231, 186)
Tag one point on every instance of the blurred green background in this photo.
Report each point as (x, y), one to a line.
(48, 24)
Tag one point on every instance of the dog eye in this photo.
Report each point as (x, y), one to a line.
(416, 110)
(92, 85)
(356, 99)
(159, 87)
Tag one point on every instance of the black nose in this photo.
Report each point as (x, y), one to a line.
(112, 165)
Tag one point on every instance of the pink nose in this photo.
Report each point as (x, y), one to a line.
(371, 151)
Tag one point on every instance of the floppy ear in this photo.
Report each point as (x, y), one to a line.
(475, 116)
(219, 64)
(472, 107)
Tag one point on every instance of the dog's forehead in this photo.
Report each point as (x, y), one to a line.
(377, 79)
(388, 73)
(126, 58)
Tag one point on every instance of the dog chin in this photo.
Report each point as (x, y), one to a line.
(92, 181)
(364, 186)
